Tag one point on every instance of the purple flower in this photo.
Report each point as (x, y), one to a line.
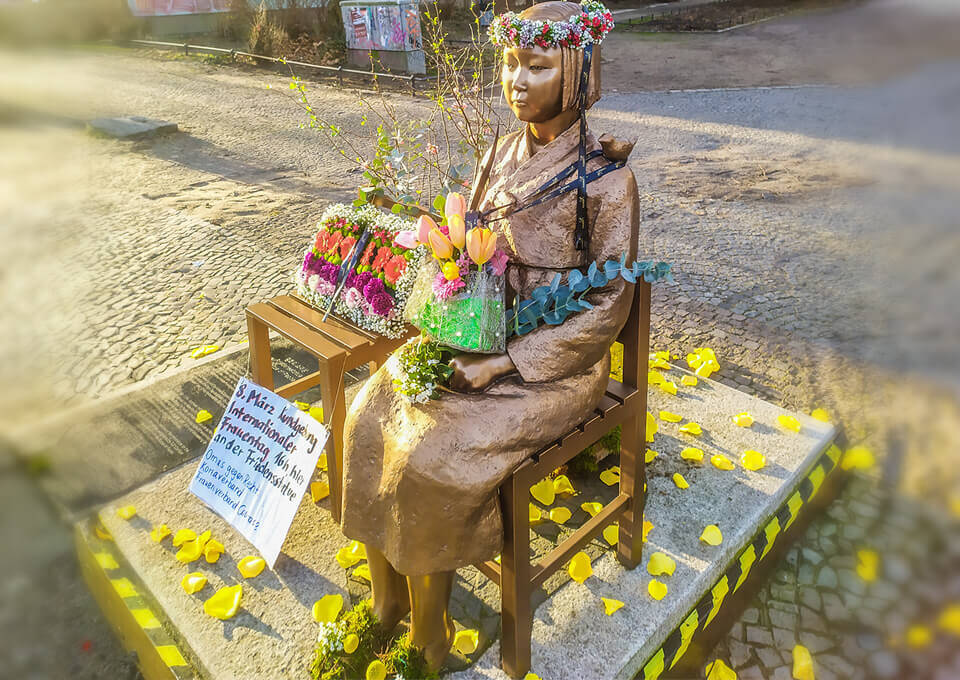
(381, 303)
(361, 280)
(329, 273)
(443, 289)
(308, 261)
(375, 287)
(498, 263)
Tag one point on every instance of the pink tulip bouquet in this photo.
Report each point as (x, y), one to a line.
(459, 301)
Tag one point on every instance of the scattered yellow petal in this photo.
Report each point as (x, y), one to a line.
(102, 533)
(788, 423)
(647, 528)
(949, 620)
(193, 583)
(203, 415)
(659, 354)
(692, 428)
(592, 508)
(679, 480)
(919, 636)
(743, 419)
(658, 363)
(867, 563)
(204, 350)
(358, 549)
(802, 663)
(657, 590)
(669, 387)
(212, 551)
(857, 458)
(346, 557)
(543, 491)
(652, 427)
(159, 532)
(820, 414)
(317, 413)
(670, 417)
(579, 567)
(688, 381)
(703, 361)
(660, 564)
(650, 455)
(319, 491)
(302, 405)
(376, 670)
(531, 676)
(350, 643)
(721, 462)
(612, 534)
(753, 460)
(711, 535)
(610, 605)
(224, 603)
(560, 515)
(182, 536)
(535, 514)
(692, 453)
(609, 477)
(327, 608)
(127, 512)
(251, 566)
(466, 641)
(190, 551)
(654, 378)
(363, 571)
(203, 538)
(561, 484)
(718, 670)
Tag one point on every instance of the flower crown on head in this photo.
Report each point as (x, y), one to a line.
(587, 28)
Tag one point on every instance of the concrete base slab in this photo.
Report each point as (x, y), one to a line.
(130, 127)
(273, 635)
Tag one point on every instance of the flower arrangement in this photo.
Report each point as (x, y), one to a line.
(588, 27)
(423, 364)
(375, 291)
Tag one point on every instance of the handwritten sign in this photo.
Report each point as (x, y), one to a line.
(257, 467)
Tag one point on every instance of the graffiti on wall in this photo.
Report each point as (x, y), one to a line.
(382, 27)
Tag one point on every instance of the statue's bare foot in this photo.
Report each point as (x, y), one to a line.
(436, 653)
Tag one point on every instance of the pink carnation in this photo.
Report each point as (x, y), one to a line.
(444, 289)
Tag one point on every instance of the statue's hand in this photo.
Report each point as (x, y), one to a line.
(476, 372)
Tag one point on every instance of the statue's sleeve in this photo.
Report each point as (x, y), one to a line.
(553, 352)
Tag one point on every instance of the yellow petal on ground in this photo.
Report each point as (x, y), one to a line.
(301, 405)
(721, 462)
(203, 538)
(579, 567)
(212, 550)
(679, 480)
(102, 533)
(182, 536)
(609, 477)
(820, 414)
(319, 491)
(203, 415)
(753, 460)
(692, 453)
(657, 590)
(327, 608)
(689, 381)
(670, 417)
(159, 532)
(363, 571)
(654, 378)
(802, 663)
(660, 564)
(561, 484)
(669, 387)
(316, 412)
(867, 563)
(592, 508)
(466, 641)
(560, 515)
(543, 491)
(743, 419)
(376, 670)
(531, 676)
(127, 512)
(251, 566)
(204, 350)
(650, 455)
(919, 636)
(190, 551)
(612, 534)
(350, 643)
(535, 513)
(652, 427)
(711, 535)
(949, 620)
(658, 363)
(692, 429)
(659, 354)
(718, 670)
(610, 605)
(857, 458)
(647, 528)
(345, 558)
(357, 549)
(224, 603)
(322, 462)
(788, 422)
(193, 583)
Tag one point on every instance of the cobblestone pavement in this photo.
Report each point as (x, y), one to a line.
(813, 231)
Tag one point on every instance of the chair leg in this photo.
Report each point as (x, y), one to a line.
(334, 413)
(633, 476)
(258, 337)
(516, 614)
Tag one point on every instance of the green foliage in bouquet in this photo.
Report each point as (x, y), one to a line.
(423, 363)
(405, 660)
(331, 662)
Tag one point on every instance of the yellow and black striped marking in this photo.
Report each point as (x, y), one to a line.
(736, 574)
(132, 618)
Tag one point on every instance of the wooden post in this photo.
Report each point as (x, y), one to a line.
(334, 415)
(258, 340)
(516, 610)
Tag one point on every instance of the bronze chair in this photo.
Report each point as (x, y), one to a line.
(623, 404)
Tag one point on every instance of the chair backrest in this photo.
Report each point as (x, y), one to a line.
(635, 337)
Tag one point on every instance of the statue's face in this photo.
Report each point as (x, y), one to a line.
(533, 83)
